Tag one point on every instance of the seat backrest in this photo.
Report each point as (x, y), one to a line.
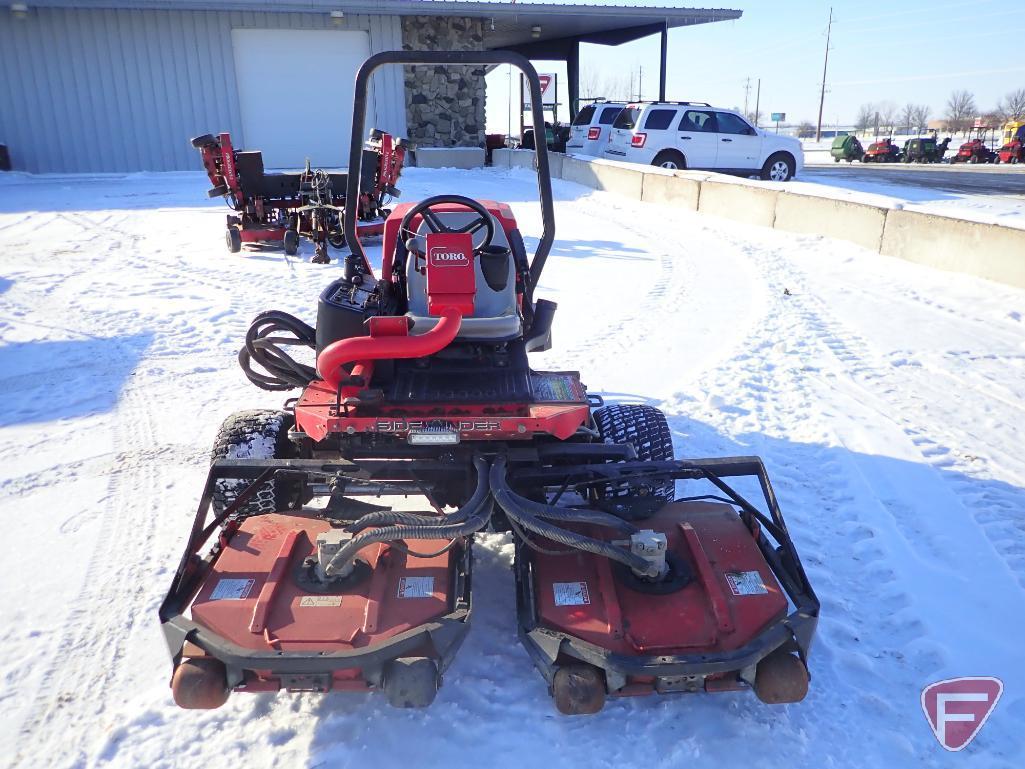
(488, 302)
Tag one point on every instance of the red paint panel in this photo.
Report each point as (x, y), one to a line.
(333, 621)
(620, 619)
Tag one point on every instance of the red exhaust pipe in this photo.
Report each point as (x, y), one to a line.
(366, 348)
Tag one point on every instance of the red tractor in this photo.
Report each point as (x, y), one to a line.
(282, 207)
(302, 580)
(975, 150)
(884, 151)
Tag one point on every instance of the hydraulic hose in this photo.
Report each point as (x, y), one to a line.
(572, 514)
(472, 517)
(506, 499)
(264, 350)
(391, 517)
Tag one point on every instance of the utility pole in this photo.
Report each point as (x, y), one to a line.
(825, 65)
(747, 94)
(758, 103)
(640, 82)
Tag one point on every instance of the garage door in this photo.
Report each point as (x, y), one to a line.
(295, 90)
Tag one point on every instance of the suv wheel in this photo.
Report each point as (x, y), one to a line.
(670, 159)
(778, 168)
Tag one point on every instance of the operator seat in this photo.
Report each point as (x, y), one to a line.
(495, 314)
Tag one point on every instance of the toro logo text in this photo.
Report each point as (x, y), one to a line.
(444, 256)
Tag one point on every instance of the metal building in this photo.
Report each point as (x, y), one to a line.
(121, 85)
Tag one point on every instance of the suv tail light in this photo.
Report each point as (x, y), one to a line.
(637, 140)
(593, 133)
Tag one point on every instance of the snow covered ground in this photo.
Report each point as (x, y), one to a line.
(888, 400)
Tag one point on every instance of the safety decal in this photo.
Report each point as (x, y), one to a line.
(320, 600)
(416, 587)
(232, 589)
(571, 593)
(746, 583)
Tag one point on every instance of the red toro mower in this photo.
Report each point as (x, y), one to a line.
(298, 576)
(282, 207)
(884, 151)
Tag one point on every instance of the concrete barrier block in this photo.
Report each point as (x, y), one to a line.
(501, 158)
(746, 203)
(450, 157)
(858, 223)
(667, 188)
(608, 175)
(985, 250)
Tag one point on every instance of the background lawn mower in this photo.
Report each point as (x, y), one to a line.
(282, 207)
(884, 151)
(292, 579)
(975, 150)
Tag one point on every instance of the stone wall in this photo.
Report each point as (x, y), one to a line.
(444, 105)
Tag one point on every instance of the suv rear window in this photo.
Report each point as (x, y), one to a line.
(627, 118)
(585, 115)
(659, 119)
(608, 115)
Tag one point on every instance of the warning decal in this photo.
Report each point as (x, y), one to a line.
(232, 589)
(746, 583)
(571, 593)
(416, 587)
(320, 600)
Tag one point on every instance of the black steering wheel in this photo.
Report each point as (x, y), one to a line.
(436, 225)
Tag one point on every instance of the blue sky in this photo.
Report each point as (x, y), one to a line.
(881, 51)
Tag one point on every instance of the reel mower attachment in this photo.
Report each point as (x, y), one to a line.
(284, 207)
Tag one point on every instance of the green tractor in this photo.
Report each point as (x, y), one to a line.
(846, 148)
(925, 150)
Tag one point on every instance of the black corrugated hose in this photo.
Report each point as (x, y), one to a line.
(507, 500)
(263, 349)
(471, 517)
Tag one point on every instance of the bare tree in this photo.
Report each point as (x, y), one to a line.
(921, 117)
(888, 114)
(961, 111)
(1012, 106)
(907, 116)
(805, 130)
(866, 117)
(594, 84)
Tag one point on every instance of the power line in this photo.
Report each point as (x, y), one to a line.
(934, 76)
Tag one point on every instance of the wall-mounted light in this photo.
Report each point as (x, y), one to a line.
(535, 31)
(337, 18)
(19, 10)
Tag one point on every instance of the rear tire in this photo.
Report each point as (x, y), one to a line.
(647, 430)
(233, 239)
(255, 434)
(578, 689)
(778, 168)
(290, 242)
(670, 159)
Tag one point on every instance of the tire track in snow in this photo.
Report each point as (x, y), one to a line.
(87, 658)
(996, 506)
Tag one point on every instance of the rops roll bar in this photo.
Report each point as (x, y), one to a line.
(454, 58)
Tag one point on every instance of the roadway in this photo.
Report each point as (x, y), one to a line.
(1005, 180)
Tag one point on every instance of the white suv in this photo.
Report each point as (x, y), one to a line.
(696, 135)
(590, 130)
